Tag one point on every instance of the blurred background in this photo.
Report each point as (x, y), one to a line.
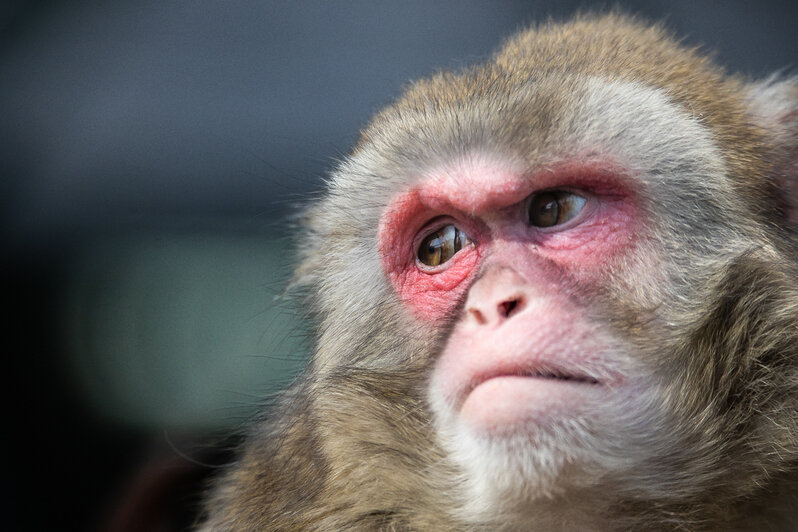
(152, 154)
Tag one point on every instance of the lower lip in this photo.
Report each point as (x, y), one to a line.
(504, 403)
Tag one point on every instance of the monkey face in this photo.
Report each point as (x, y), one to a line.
(528, 379)
(531, 253)
(522, 347)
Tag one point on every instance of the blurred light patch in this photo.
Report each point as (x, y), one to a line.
(182, 331)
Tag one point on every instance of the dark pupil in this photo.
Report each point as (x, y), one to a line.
(545, 210)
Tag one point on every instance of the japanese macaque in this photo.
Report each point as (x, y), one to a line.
(556, 291)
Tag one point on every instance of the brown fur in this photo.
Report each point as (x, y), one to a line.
(352, 444)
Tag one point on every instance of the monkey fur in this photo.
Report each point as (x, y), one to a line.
(688, 290)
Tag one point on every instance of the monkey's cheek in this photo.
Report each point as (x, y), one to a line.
(509, 404)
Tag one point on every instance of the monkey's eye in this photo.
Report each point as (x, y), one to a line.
(441, 245)
(554, 207)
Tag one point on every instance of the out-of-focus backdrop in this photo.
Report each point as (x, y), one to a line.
(152, 153)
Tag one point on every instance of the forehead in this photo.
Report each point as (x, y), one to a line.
(525, 127)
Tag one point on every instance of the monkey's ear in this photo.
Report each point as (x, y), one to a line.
(774, 106)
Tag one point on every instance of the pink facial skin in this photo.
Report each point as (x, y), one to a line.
(487, 201)
(521, 355)
(522, 351)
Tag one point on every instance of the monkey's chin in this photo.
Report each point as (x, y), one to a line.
(523, 440)
(506, 404)
(513, 458)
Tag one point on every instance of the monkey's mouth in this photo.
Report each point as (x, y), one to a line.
(506, 399)
(543, 374)
(583, 379)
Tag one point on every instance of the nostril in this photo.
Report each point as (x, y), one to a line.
(508, 307)
(478, 316)
(496, 296)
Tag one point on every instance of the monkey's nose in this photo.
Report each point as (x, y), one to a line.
(502, 312)
(496, 297)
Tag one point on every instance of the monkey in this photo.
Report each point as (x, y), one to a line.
(557, 290)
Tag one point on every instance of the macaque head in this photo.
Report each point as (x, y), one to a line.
(577, 250)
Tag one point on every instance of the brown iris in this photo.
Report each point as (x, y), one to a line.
(441, 245)
(554, 207)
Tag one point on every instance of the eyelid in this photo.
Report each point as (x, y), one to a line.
(434, 224)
